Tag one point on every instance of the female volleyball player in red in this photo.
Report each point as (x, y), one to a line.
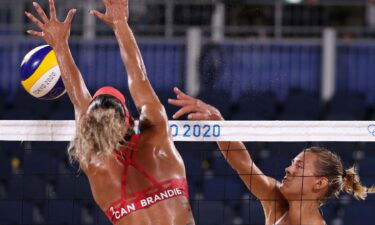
(314, 176)
(135, 178)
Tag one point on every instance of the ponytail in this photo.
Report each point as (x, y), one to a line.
(351, 184)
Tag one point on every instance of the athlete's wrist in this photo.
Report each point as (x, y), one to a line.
(60, 46)
(119, 23)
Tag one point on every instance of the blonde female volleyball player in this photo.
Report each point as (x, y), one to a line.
(135, 178)
(314, 176)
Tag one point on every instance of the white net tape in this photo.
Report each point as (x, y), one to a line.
(256, 131)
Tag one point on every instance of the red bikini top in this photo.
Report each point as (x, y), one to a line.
(157, 192)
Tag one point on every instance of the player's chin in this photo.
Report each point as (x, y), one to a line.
(283, 188)
(286, 188)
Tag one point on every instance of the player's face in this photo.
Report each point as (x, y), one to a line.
(300, 177)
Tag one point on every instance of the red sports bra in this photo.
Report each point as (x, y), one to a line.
(157, 192)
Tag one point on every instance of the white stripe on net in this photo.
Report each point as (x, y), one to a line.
(264, 131)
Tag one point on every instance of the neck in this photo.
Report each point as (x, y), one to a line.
(303, 212)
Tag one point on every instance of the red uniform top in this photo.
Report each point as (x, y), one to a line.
(157, 192)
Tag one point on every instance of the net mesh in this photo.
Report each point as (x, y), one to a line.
(39, 186)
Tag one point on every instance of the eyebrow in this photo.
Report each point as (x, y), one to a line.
(297, 161)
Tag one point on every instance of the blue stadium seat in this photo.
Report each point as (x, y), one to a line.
(39, 162)
(12, 148)
(34, 188)
(64, 102)
(190, 149)
(347, 106)
(358, 213)
(289, 149)
(343, 149)
(27, 213)
(369, 149)
(5, 166)
(274, 165)
(218, 98)
(18, 114)
(195, 187)
(61, 115)
(82, 190)
(56, 149)
(15, 212)
(252, 212)
(193, 167)
(66, 186)
(90, 213)
(66, 167)
(294, 116)
(214, 188)
(366, 166)
(301, 105)
(194, 154)
(15, 188)
(255, 106)
(221, 167)
(329, 210)
(228, 188)
(2, 103)
(212, 213)
(254, 148)
(30, 106)
(62, 212)
(234, 189)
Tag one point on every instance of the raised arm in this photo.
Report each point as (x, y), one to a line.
(144, 97)
(263, 187)
(56, 34)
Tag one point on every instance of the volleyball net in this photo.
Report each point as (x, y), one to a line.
(39, 186)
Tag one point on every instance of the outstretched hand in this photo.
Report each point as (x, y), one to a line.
(195, 108)
(52, 30)
(115, 11)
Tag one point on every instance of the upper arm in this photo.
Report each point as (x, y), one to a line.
(153, 114)
(146, 100)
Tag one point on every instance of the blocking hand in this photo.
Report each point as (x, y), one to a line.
(52, 30)
(197, 109)
(115, 11)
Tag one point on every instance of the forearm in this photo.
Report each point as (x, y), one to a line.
(129, 50)
(72, 78)
(234, 152)
(139, 85)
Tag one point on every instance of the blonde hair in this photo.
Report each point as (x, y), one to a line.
(98, 134)
(329, 165)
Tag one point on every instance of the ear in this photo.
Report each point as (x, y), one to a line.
(321, 184)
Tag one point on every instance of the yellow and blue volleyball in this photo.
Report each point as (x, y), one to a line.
(40, 74)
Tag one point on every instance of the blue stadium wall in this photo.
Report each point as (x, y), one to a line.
(244, 67)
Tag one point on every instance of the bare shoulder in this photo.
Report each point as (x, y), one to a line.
(275, 205)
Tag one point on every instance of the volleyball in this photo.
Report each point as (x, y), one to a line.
(40, 74)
